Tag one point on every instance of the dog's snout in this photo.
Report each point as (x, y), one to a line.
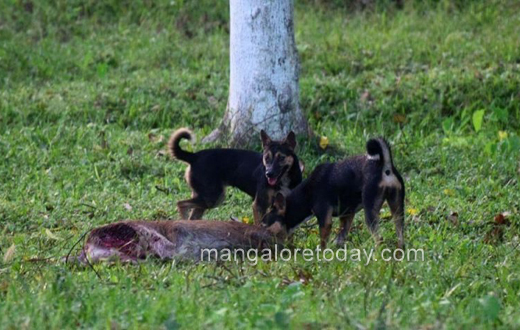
(269, 173)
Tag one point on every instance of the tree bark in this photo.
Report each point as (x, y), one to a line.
(264, 69)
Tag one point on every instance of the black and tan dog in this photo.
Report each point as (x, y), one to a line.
(259, 175)
(342, 189)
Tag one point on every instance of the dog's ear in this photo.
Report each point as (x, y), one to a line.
(279, 201)
(265, 138)
(290, 140)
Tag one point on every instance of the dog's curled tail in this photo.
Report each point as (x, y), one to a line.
(175, 148)
(379, 150)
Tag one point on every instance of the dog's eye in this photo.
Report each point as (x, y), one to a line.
(281, 158)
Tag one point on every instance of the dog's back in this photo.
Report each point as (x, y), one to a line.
(218, 166)
(231, 167)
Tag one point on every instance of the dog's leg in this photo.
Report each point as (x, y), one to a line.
(395, 199)
(345, 224)
(197, 213)
(188, 204)
(373, 198)
(257, 218)
(263, 199)
(183, 212)
(324, 214)
(183, 209)
(206, 198)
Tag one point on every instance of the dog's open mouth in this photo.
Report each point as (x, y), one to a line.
(272, 181)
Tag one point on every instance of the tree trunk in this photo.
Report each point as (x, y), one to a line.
(264, 66)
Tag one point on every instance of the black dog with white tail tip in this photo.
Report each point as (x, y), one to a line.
(341, 190)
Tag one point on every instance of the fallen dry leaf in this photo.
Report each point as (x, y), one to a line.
(501, 218)
(502, 135)
(49, 234)
(324, 142)
(412, 211)
(304, 276)
(365, 96)
(4, 286)
(9, 254)
(449, 192)
(286, 281)
(155, 138)
(454, 218)
(399, 118)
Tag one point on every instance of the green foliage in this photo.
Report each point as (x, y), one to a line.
(478, 117)
(90, 91)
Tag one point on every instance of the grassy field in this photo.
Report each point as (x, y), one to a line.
(90, 91)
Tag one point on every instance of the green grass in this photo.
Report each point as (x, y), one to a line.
(90, 93)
